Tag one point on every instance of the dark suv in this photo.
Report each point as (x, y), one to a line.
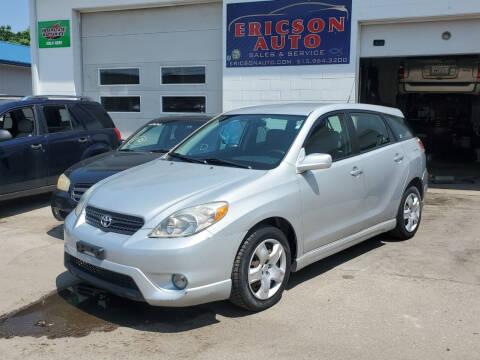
(41, 136)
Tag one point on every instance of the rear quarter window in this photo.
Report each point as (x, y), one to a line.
(399, 127)
(93, 116)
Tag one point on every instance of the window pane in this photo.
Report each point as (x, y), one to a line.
(58, 118)
(183, 104)
(400, 128)
(371, 130)
(93, 116)
(119, 76)
(330, 136)
(121, 103)
(19, 122)
(183, 75)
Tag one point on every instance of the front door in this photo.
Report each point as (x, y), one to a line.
(23, 161)
(331, 198)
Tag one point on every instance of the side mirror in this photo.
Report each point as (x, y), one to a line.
(314, 162)
(5, 135)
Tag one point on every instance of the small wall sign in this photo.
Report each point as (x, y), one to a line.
(54, 34)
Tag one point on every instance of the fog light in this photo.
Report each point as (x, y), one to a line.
(180, 281)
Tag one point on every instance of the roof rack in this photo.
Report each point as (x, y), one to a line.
(57, 97)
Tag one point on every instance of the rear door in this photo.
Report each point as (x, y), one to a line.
(23, 161)
(66, 139)
(332, 199)
(383, 163)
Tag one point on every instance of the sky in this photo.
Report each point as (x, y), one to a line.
(14, 13)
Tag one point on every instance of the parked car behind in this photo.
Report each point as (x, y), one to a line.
(253, 195)
(146, 144)
(41, 136)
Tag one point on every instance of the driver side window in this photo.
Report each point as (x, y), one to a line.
(330, 136)
(19, 122)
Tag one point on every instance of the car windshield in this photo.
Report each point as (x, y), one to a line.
(160, 136)
(249, 141)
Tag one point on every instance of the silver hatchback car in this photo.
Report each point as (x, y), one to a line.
(248, 198)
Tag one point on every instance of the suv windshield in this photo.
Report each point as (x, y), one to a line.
(249, 141)
(160, 136)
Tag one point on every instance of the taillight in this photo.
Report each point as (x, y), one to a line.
(420, 143)
(401, 73)
(478, 72)
(119, 136)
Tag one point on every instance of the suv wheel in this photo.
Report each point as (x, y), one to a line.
(409, 214)
(59, 214)
(261, 269)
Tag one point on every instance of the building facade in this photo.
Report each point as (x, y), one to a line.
(15, 74)
(147, 58)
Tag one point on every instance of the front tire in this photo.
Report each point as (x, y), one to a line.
(409, 214)
(58, 214)
(261, 269)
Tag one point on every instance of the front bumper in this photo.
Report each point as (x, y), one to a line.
(62, 201)
(205, 259)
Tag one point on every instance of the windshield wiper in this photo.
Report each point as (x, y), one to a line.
(125, 150)
(186, 158)
(159, 151)
(215, 161)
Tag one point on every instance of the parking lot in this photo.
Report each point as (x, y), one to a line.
(378, 300)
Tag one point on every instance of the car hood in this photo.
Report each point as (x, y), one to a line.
(151, 188)
(96, 168)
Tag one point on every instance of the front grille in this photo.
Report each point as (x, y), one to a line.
(111, 277)
(120, 224)
(78, 190)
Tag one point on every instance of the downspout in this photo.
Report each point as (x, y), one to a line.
(34, 47)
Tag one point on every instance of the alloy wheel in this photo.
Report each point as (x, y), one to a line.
(267, 269)
(411, 212)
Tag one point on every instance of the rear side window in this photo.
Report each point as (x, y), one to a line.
(330, 136)
(399, 127)
(371, 130)
(58, 119)
(93, 116)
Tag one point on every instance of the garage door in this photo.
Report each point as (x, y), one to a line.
(148, 63)
(419, 38)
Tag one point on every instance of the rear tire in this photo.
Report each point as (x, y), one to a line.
(261, 269)
(409, 214)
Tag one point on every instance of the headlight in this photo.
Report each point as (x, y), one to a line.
(63, 183)
(190, 221)
(83, 200)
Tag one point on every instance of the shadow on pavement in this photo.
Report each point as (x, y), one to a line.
(21, 205)
(56, 232)
(322, 266)
(69, 313)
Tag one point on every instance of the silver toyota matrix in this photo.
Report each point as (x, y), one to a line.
(248, 198)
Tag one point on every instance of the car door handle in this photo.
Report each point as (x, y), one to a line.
(83, 140)
(36, 146)
(356, 172)
(398, 158)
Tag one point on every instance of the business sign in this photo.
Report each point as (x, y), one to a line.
(54, 34)
(288, 33)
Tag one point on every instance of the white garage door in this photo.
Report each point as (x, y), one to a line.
(420, 38)
(148, 63)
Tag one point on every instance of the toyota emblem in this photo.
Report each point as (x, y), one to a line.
(106, 221)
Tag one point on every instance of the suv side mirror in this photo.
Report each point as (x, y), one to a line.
(314, 162)
(5, 135)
